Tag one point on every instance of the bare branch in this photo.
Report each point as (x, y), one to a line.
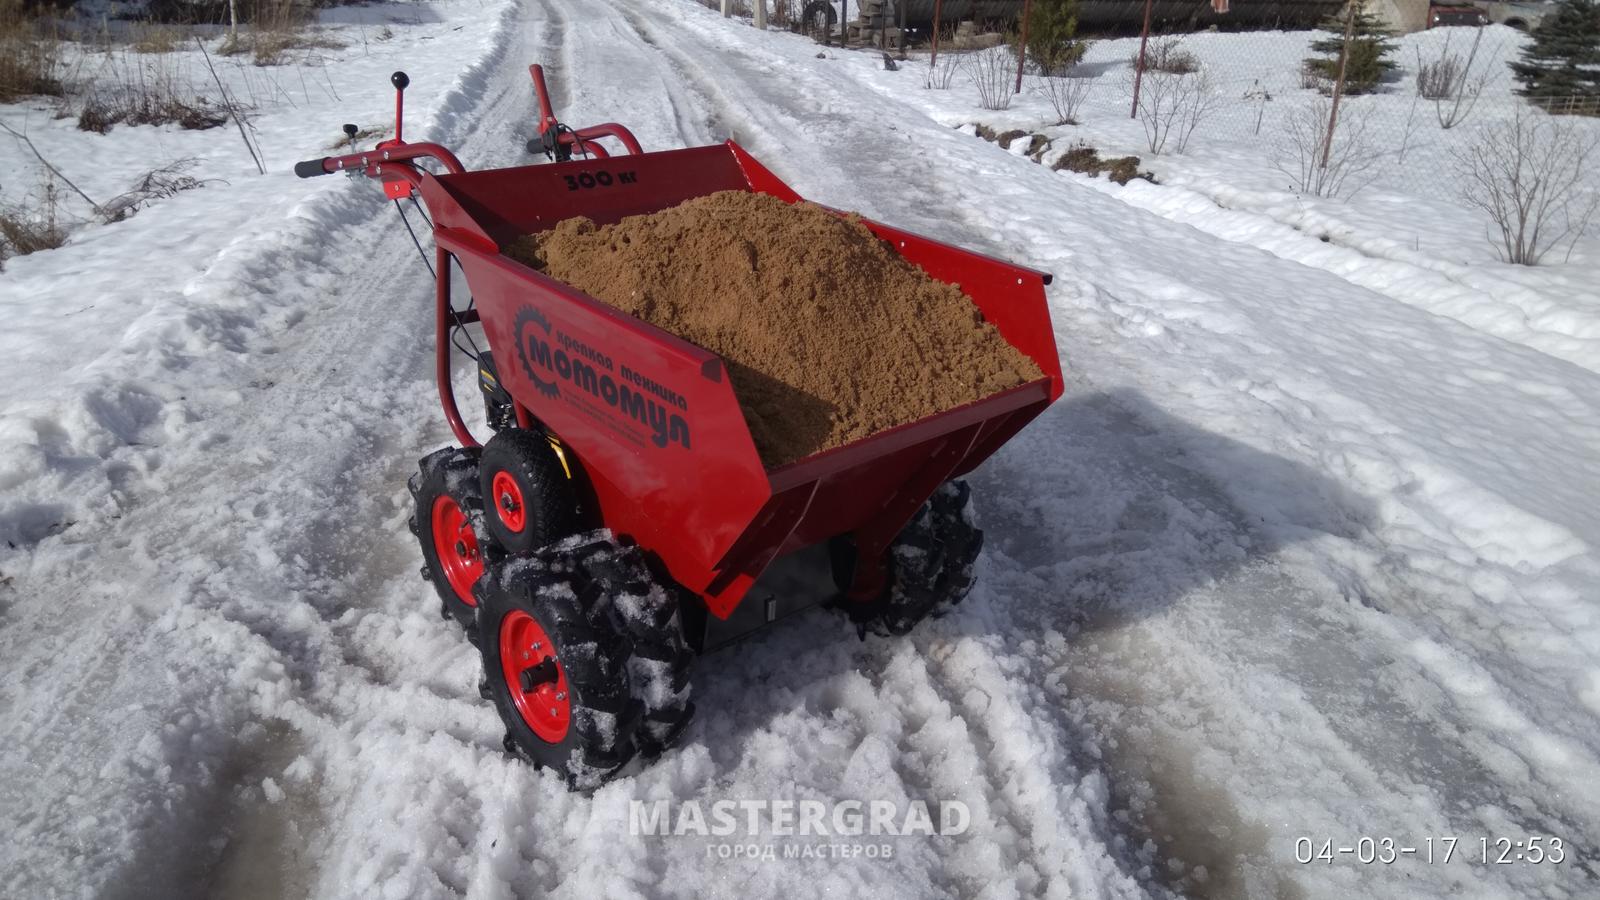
(53, 170)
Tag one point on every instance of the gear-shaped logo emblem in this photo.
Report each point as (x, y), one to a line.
(527, 354)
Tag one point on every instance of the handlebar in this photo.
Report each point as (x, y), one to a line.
(383, 154)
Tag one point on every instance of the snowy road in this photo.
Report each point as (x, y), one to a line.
(1290, 559)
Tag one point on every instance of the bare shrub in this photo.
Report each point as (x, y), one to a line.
(1258, 96)
(1454, 82)
(1533, 175)
(991, 70)
(1172, 106)
(942, 71)
(1351, 157)
(1167, 54)
(1438, 78)
(1066, 94)
(1312, 78)
(30, 55)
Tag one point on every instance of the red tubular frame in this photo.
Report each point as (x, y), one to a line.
(393, 162)
(582, 138)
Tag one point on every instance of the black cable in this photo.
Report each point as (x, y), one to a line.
(577, 140)
(421, 210)
(455, 334)
(414, 239)
(460, 328)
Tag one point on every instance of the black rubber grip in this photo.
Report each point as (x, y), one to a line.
(311, 168)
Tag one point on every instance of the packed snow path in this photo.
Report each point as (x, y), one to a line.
(1290, 559)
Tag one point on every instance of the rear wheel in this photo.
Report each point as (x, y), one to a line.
(583, 657)
(931, 565)
(449, 525)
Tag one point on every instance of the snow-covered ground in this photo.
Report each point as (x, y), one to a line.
(1310, 549)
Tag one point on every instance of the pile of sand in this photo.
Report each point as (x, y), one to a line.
(829, 334)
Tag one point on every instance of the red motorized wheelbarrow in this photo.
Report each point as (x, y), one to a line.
(611, 527)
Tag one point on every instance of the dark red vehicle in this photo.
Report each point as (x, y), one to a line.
(609, 529)
(1445, 14)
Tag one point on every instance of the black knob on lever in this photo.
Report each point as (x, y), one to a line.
(350, 131)
(400, 80)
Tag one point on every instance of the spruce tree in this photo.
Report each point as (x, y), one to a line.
(1563, 61)
(1370, 47)
(1052, 29)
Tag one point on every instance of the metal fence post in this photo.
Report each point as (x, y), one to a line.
(1338, 84)
(901, 8)
(1022, 45)
(1138, 68)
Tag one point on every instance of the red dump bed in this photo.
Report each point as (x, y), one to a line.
(653, 418)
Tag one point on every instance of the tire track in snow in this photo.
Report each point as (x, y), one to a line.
(231, 614)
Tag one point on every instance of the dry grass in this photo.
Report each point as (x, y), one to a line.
(278, 27)
(30, 55)
(1085, 159)
(32, 226)
(362, 136)
(156, 39)
(139, 89)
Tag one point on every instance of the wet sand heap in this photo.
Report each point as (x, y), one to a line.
(829, 335)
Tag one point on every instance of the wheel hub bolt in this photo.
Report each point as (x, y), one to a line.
(508, 502)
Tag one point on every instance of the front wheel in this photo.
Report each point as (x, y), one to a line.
(583, 657)
(527, 491)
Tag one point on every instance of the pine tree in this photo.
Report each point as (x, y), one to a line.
(1052, 29)
(1370, 46)
(1563, 61)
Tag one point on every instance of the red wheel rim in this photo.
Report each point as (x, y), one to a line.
(457, 548)
(508, 502)
(534, 678)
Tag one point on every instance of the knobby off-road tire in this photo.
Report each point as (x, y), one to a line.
(584, 657)
(449, 526)
(931, 565)
(530, 499)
